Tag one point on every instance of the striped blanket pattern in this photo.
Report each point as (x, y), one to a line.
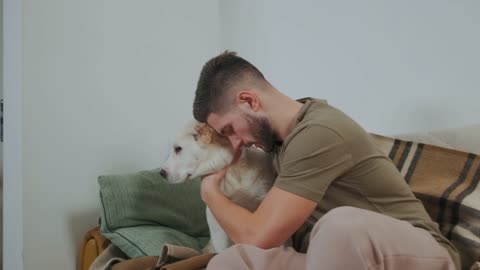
(447, 182)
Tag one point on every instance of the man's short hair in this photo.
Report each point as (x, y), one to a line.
(220, 77)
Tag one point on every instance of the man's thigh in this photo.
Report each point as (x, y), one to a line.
(353, 238)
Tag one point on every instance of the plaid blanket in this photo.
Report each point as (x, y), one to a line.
(447, 182)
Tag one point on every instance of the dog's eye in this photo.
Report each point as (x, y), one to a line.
(177, 149)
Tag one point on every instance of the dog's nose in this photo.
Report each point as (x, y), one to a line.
(163, 173)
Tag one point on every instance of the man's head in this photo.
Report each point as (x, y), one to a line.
(227, 98)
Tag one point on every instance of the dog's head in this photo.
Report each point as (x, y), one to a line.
(198, 150)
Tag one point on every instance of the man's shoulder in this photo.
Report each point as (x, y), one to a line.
(322, 125)
(320, 113)
(309, 138)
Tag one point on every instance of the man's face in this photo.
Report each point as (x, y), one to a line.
(243, 129)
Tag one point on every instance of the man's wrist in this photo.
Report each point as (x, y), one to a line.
(209, 194)
(213, 194)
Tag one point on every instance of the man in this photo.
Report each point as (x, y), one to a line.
(339, 199)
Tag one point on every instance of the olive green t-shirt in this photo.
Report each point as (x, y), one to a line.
(328, 158)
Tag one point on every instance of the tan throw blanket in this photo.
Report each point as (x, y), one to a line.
(447, 182)
(197, 262)
(171, 258)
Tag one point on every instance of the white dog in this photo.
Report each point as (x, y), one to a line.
(198, 151)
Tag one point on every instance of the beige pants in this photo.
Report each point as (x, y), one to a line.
(346, 238)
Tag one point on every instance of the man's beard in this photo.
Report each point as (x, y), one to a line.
(262, 132)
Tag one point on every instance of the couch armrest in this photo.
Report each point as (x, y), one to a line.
(93, 243)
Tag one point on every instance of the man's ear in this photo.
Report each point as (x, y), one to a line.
(248, 98)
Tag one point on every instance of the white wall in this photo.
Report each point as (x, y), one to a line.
(106, 83)
(394, 66)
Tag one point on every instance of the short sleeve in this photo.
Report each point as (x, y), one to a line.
(313, 158)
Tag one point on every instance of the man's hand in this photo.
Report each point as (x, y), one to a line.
(211, 183)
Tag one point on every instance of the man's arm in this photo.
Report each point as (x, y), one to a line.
(311, 162)
(279, 215)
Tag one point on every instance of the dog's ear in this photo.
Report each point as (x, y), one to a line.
(204, 133)
(207, 135)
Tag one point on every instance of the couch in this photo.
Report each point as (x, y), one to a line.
(437, 148)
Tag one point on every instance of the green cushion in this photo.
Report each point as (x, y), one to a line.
(141, 212)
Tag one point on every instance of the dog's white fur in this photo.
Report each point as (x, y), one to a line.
(203, 152)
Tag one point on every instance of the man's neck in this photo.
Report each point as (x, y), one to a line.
(283, 112)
